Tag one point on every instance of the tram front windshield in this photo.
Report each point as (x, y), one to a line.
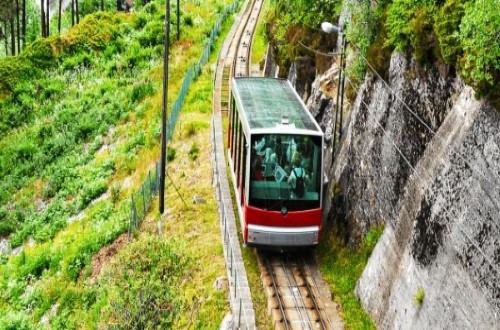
(277, 163)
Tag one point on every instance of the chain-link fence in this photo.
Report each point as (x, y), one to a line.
(140, 202)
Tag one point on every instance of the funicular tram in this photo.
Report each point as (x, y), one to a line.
(276, 160)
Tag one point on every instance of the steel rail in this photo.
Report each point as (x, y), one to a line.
(311, 294)
(272, 275)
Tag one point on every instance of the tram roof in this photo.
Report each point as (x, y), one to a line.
(265, 100)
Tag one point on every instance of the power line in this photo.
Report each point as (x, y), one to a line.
(318, 52)
(430, 176)
(420, 119)
(414, 171)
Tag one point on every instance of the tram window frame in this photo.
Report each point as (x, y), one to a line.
(243, 168)
(239, 152)
(234, 132)
(232, 115)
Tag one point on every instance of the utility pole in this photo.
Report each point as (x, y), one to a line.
(164, 116)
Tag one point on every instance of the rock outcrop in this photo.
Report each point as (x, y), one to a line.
(420, 154)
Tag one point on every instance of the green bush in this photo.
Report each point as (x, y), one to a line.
(422, 38)
(153, 34)
(194, 152)
(141, 90)
(36, 263)
(146, 277)
(480, 65)
(171, 154)
(14, 321)
(188, 20)
(400, 18)
(6, 227)
(84, 60)
(447, 27)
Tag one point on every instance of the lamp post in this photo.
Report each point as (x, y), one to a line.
(331, 28)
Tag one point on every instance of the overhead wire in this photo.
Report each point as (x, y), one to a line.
(406, 160)
(496, 184)
(414, 171)
(318, 52)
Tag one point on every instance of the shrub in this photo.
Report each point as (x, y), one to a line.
(141, 20)
(91, 191)
(399, 14)
(194, 152)
(447, 27)
(6, 227)
(146, 277)
(141, 90)
(480, 65)
(171, 154)
(153, 34)
(422, 38)
(84, 60)
(151, 8)
(419, 297)
(115, 192)
(14, 321)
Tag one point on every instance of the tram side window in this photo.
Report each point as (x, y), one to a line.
(232, 123)
(239, 154)
(234, 132)
(243, 163)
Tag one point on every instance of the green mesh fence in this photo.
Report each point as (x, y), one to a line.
(140, 202)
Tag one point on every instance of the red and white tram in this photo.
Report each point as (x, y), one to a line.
(276, 160)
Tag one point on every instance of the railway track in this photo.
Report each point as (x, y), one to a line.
(297, 296)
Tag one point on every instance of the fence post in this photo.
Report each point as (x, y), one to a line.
(235, 281)
(150, 187)
(144, 202)
(130, 217)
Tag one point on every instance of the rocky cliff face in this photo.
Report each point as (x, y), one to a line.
(421, 155)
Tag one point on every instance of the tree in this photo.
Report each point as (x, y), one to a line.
(42, 17)
(59, 17)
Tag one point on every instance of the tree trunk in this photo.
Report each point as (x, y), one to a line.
(59, 17)
(72, 12)
(6, 39)
(24, 23)
(178, 20)
(102, 5)
(42, 9)
(77, 13)
(47, 24)
(18, 26)
(12, 36)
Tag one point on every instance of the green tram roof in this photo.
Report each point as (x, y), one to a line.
(265, 100)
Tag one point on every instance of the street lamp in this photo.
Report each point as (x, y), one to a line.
(328, 27)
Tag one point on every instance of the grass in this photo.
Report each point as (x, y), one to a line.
(341, 268)
(40, 283)
(259, 45)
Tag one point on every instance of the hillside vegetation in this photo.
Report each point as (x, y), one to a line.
(79, 130)
(453, 34)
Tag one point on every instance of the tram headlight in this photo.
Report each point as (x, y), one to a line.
(284, 210)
